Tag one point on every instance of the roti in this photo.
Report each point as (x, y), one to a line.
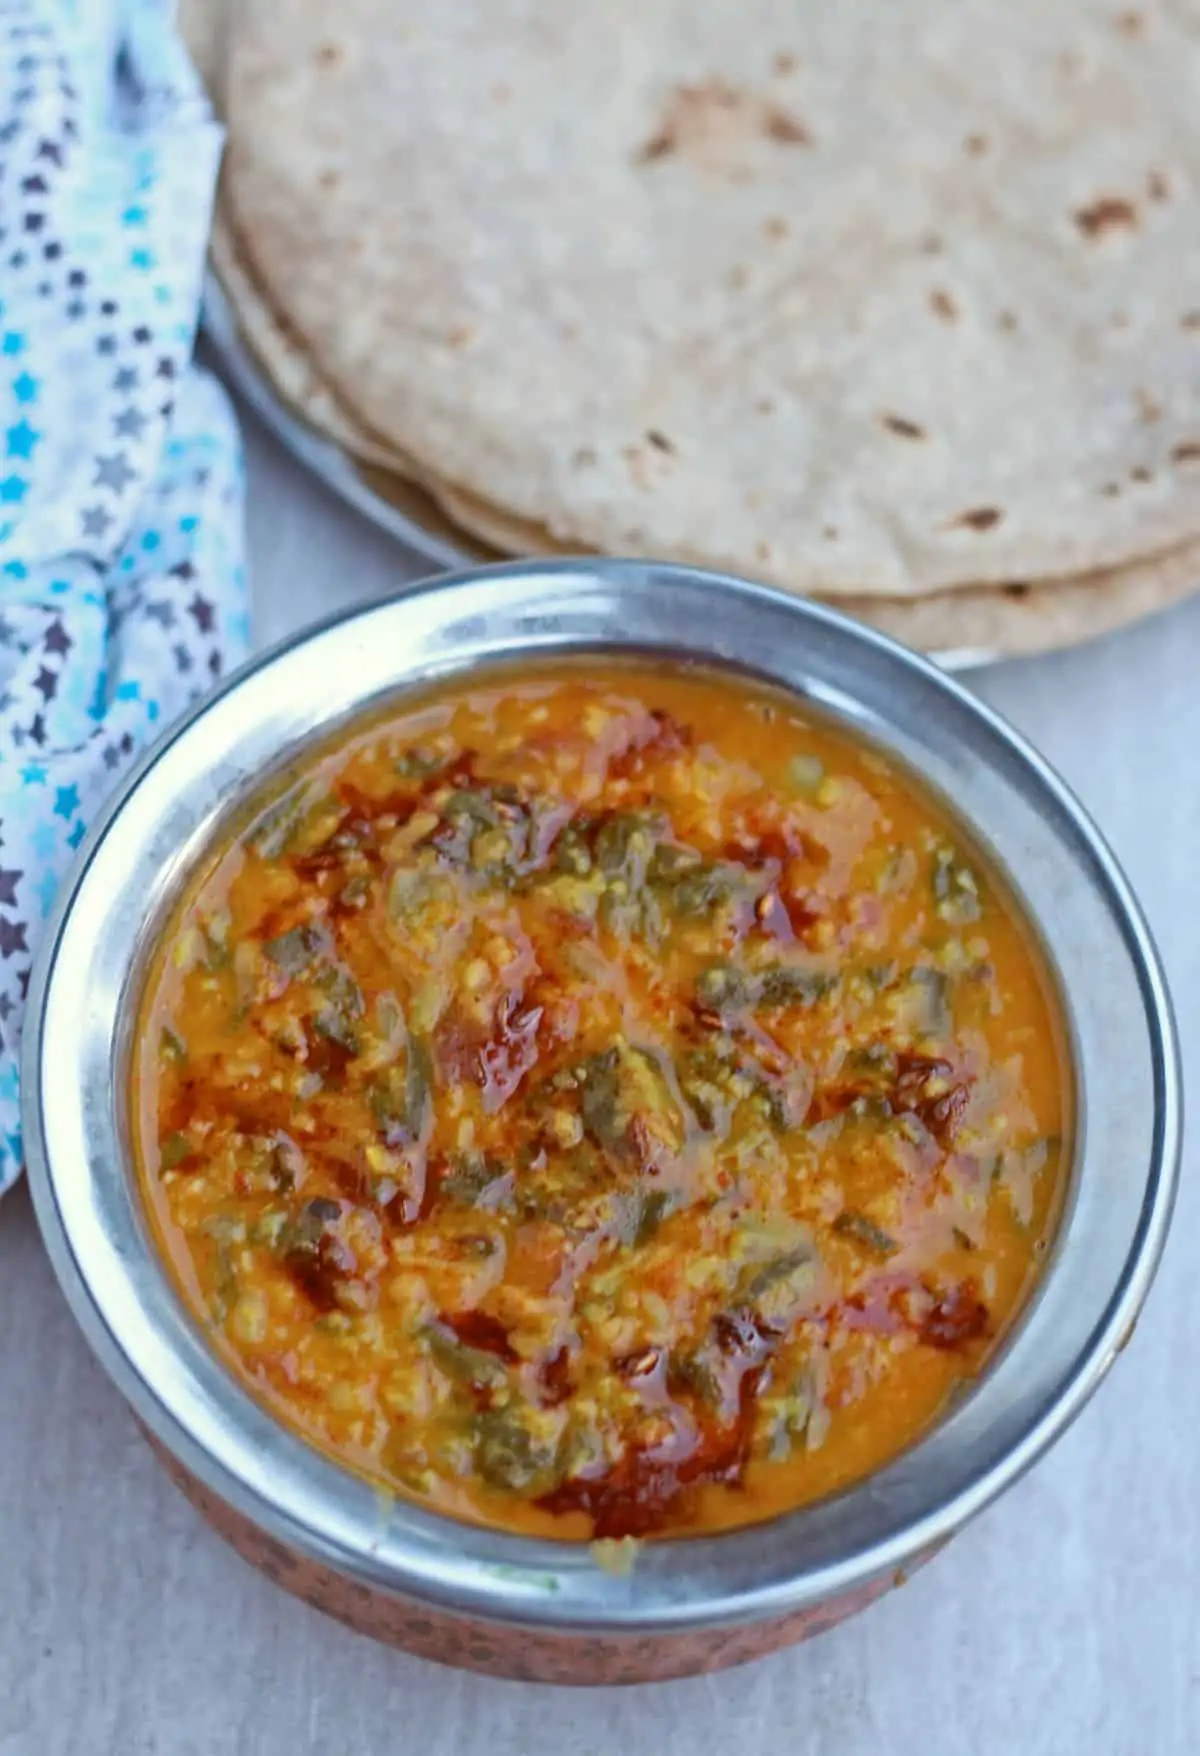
(1009, 619)
(861, 300)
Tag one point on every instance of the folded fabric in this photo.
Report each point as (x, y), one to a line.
(122, 591)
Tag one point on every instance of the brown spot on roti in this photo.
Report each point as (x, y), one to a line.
(977, 518)
(764, 406)
(1149, 407)
(1141, 474)
(904, 428)
(1007, 321)
(775, 227)
(657, 147)
(1016, 588)
(830, 533)
(784, 63)
(329, 55)
(1110, 490)
(976, 145)
(931, 244)
(943, 306)
(1188, 451)
(713, 123)
(1190, 320)
(1130, 24)
(787, 129)
(659, 440)
(329, 178)
(1110, 213)
(1157, 187)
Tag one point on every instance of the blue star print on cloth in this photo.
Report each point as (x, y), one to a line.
(122, 594)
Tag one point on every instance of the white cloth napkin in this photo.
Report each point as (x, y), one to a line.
(122, 594)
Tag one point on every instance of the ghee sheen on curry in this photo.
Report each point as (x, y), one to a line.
(602, 1101)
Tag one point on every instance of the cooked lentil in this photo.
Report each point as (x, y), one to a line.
(602, 1101)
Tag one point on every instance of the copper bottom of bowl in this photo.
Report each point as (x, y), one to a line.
(507, 1650)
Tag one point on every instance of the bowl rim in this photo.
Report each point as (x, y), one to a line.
(78, 1031)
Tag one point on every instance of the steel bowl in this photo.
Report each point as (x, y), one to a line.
(510, 1604)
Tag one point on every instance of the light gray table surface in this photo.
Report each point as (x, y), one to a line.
(1064, 1622)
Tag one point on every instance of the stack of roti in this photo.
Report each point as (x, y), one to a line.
(895, 306)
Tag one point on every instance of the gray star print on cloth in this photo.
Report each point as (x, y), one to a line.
(113, 472)
(122, 593)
